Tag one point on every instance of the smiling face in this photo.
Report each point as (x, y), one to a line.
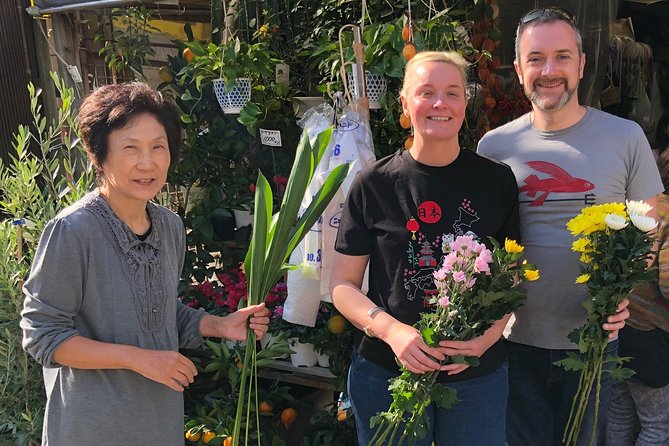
(549, 65)
(137, 160)
(435, 99)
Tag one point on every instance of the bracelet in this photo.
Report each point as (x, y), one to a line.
(373, 311)
(368, 332)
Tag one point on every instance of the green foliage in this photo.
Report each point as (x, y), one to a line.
(130, 45)
(383, 45)
(47, 172)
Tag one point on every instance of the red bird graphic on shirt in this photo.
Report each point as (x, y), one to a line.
(560, 181)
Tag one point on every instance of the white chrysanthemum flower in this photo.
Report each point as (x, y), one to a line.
(615, 221)
(643, 222)
(638, 207)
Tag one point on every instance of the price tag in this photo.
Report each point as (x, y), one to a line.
(270, 137)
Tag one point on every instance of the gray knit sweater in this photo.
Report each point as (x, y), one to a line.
(93, 277)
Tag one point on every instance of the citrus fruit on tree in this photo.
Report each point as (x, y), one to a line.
(193, 435)
(227, 441)
(165, 74)
(188, 54)
(207, 436)
(336, 324)
(408, 142)
(265, 407)
(406, 33)
(288, 416)
(409, 51)
(405, 121)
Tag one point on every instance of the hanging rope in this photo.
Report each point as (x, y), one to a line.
(364, 14)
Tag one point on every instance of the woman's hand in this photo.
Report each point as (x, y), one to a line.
(166, 367)
(473, 347)
(616, 322)
(411, 350)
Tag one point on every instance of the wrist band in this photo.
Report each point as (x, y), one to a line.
(373, 311)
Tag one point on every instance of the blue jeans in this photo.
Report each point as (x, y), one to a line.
(541, 394)
(477, 420)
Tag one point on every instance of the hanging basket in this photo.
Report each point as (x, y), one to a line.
(375, 85)
(234, 100)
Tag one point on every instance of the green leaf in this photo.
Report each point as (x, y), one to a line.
(620, 373)
(572, 362)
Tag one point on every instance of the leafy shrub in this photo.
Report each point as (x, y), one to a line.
(48, 171)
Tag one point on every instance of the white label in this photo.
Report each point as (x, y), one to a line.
(270, 137)
(74, 73)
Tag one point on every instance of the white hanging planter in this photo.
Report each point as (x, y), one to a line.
(304, 353)
(234, 100)
(375, 85)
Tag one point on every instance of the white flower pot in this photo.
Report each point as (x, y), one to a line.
(243, 218)
(303, 103)
(233, 101)
(375, 86)
(304, 353)
(323, 360)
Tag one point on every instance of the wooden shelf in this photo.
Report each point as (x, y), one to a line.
(317, 377)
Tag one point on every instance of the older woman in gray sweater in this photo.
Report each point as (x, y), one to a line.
(101, 312)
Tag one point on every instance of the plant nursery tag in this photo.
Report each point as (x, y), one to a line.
(270, 137)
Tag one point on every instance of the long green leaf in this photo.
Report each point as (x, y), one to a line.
(300, 177)
(318, 205)
(275, 237)
(260, 241)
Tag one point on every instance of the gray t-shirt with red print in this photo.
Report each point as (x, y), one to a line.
(397, 212)
(601, 159)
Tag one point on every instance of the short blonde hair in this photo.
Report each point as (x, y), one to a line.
(449, 57)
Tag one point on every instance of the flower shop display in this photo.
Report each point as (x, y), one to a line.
(616, 249)
(476, 287)
(273, 239)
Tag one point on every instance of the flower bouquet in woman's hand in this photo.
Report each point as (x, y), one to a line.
(476, 287)
(615, 257)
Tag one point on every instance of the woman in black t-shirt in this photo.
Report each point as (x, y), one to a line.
(396, 216)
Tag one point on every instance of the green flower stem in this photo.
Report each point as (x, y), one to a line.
(591, 375)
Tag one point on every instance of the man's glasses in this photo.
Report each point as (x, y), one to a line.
(550, 12)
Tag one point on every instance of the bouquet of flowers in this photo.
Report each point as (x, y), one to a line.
(476, 287)
(615, 257)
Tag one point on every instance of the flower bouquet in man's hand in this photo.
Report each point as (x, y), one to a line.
(615, 256)
(476, 287)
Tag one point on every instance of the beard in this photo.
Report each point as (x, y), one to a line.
(544, 103)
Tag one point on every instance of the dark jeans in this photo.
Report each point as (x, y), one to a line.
(477, 420)
(541, 394)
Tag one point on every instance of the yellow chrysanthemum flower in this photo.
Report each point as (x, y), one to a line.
(583, 278)
(585, 258)
(531, 274)
(581, 245)
(593, 218)
(512, 247)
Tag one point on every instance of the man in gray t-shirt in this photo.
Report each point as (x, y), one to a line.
(565, 156)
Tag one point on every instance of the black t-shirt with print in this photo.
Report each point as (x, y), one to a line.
(397, 212)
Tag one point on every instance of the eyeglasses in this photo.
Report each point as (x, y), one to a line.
(550, 12)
